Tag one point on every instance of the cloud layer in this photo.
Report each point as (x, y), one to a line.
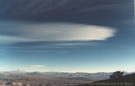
(28, 32)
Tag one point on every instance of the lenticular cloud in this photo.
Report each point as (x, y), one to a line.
(57, 32)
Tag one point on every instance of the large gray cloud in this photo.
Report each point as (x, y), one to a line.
(81, 11)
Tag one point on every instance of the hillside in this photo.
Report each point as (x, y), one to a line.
(127, 80)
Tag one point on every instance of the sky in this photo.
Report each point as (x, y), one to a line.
(67, 35)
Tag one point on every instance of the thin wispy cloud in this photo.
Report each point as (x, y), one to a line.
(38, 66)
(5, 39)
(26, 68)
(34, 68)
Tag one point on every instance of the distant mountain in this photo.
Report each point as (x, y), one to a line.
(127, 80)
(64, 75)
(75, 76)
(63, 79)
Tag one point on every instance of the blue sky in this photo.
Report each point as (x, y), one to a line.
(67, 35)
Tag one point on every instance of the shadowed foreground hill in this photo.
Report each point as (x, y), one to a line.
(128, 80)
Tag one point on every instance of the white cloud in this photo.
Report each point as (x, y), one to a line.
(57, 32)
(38, 66)
(34, 68)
